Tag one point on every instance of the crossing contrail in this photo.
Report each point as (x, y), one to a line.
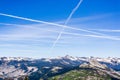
(66, 22)
(94, 36)
(68, 33)
(55, 24)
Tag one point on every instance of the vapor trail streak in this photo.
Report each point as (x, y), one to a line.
(94, 36)
(73, 11)
(69, 17)
(28, 19)
(106, 30)
(54, 24)
(68, 33)
(50, 23)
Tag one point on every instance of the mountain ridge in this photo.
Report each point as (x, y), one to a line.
(19, 66)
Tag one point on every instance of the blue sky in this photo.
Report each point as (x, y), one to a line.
(93, 30)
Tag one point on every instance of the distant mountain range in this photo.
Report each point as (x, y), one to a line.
(18, 68)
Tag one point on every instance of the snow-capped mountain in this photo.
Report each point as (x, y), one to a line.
(19, 66)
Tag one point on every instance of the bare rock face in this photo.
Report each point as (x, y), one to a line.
(101, 68)
(95, 63)
(92, 63)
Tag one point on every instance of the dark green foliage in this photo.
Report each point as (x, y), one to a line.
(82, 74)
(26, 78)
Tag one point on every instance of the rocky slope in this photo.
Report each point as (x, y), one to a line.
(17, 67)
(91, 70)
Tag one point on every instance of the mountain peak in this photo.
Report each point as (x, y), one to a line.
(70, 57)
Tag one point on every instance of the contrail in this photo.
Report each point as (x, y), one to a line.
(28, 19)
(106, 30)
(50, 23)
(94, 36)
(54, 24)
(69, 17)
(69, 33)
(73, 11)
